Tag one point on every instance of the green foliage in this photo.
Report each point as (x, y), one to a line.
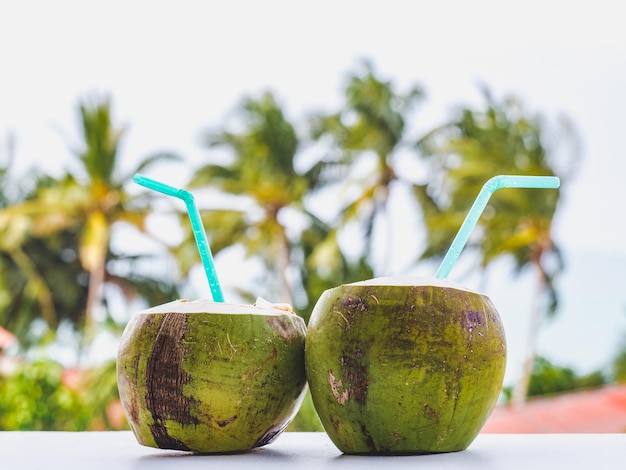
(99, 392)
(592, 380)
(500, 138)
(43, 396)
(35, 399)
(262, 170)
(550, 379)
(372, 122)
(40, 274)
(547, 378)
(325, 266)
(619, 365)
(55, 249)
(101, 141)
(307, 419)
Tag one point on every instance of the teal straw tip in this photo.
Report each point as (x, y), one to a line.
(492, 185)
(523, 181)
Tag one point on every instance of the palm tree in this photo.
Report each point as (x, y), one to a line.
(262, 170)
(267, 211)
(104, 201)
(73, 217)
(462, 156)
(41, 280)
(323, 265)
(15, 265)
(30, 268)
(370, 125)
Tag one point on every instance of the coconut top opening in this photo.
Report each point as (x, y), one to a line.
(410, 281)
(261, 307)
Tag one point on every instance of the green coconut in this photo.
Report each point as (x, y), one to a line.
(404, 365)
(211, 377)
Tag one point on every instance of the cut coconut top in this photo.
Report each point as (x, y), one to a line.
(410, 281)
(261, 307)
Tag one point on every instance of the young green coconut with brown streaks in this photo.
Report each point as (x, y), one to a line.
(404, 365)
(211, 377)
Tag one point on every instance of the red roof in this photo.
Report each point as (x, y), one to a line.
(6, 338)
(601, 410)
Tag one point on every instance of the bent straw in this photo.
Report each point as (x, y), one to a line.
(490, 187)
(196, 225)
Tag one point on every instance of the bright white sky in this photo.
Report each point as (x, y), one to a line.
(175, 68)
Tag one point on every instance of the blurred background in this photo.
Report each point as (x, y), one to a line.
(325, 143)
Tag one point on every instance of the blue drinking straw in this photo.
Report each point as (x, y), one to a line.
(196, 225)
(490, 187)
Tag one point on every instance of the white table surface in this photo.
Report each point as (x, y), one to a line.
(301, 451)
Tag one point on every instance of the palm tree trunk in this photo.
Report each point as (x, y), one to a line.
(94, 260)
(520, 390)
(389, 242)
(283, 262)
(94, 295)
(382, 212)
(94, 300)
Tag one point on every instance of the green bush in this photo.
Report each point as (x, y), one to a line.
(34, 398)
(306, 419)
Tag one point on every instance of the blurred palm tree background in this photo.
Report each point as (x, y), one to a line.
(64, 282)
